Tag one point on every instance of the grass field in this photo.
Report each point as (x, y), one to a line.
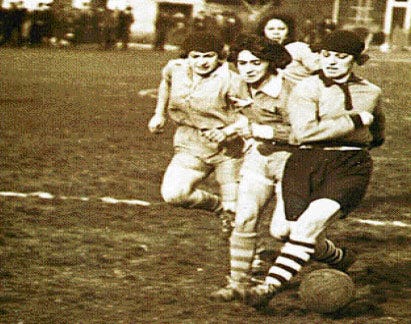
(73, 125)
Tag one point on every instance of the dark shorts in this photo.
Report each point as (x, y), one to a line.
(312, 174)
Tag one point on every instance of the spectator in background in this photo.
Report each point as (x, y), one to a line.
(125, 20)
(163, 24)
(13, 19)
(202, 22)
(308, 32)
(231, 27)
(41, 25)
(110, 23)
(280, 29)
(324, 28)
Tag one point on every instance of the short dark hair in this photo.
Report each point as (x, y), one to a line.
(276, 54)
(287, 19)
(202, 42)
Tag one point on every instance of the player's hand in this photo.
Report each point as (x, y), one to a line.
(262, 131)
(248, 144)
(214, 135)
(366, 118)
(156, 124)
(240, 103)
(245, 131)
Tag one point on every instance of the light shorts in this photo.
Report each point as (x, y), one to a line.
(266, 168)
(194, 152)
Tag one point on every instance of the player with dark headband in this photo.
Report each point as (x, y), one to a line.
(195, 92)
(335, 118)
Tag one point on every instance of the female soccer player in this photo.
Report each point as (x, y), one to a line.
(335, 118)
(281, 29)
(257, 61)
(194, 90)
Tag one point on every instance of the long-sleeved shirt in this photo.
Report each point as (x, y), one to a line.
(304, 62)
(318, 113)
(270, 106)
(202, 104)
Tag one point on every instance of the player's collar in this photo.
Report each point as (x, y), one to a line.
(272, 86)
(328, 82)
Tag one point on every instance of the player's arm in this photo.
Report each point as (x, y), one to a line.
(377, 128)
(157, 122)
(238, 98)
(308, 127)
(310, 59)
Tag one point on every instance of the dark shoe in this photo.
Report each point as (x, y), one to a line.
(348, 259)
(235, 290)
(260, 295)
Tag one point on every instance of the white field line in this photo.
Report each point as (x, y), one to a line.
(110, 200)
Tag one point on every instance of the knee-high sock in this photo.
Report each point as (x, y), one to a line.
(326, 252)
(242, 250)
(294, 255)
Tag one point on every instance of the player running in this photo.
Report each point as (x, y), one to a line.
(335, 118)
(280, 29)
(257, 61)
(194, 91)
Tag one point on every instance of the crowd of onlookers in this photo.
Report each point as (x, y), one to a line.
(50, 25)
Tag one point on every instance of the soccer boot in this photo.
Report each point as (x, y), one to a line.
(260, 295)
(227, 218)
(235, 290)
(347, 260)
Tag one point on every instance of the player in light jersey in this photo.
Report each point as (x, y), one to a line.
(335, 118)
(194, 91)
(257, 61)
(281, 29)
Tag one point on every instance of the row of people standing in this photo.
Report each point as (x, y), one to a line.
(174, 27)
(19, 27)
(306, 138)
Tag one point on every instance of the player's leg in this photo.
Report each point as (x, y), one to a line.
(254, 190)
(179, 186)
(279, 226)
(347, 186)
(297, 251)
(327, 252)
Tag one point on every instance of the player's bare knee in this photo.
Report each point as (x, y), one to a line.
(280, 231)
(245, 222)
(314, 220)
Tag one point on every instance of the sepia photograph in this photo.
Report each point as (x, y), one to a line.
(205, 161)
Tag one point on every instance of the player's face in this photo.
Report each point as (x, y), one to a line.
(336, 65)
(203, 63)
(251, 68)
(276, 30)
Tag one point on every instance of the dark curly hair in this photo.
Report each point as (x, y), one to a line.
(287, 19)
(202, 42)
(276, 54)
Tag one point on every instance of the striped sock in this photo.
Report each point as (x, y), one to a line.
(294, 255)
(242, 249)
(330, 255)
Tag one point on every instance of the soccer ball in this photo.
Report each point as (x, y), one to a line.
(326, 290)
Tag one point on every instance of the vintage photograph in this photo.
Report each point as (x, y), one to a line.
(205, 161)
